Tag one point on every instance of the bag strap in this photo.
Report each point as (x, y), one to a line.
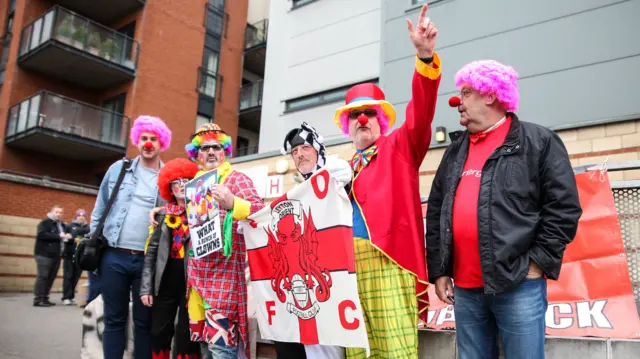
(126, 163)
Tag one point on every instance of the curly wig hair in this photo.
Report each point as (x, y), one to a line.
(489, 76)
(171, 171)
(383, 120)
(152, 124)
(208, 132)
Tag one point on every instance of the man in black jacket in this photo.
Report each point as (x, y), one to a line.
(503, 207)
(71, 273)
(47, 254)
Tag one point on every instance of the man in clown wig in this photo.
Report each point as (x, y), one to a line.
(385, 194)
(217, 288)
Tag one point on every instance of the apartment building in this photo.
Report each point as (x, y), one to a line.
(74, 75)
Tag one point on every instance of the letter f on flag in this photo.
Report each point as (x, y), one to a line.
(271, 310)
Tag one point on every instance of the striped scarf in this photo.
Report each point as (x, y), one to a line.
(362, 158)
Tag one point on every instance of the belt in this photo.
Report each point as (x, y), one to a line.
(130, 251)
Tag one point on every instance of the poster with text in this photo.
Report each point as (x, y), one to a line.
(203, 215)
(593, 296)
(302, 267)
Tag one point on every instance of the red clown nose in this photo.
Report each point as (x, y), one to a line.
(363, 119)
(148, 146)
(454, 101)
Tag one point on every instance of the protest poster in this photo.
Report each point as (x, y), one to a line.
(302, 267)
(203, 215)
(593, 296)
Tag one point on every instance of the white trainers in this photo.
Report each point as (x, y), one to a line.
(67, 302)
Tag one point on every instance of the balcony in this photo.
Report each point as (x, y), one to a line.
(246, 151)
(255, 47)
(251, 106)
(71, 48)
(56, 125)
(104, 11)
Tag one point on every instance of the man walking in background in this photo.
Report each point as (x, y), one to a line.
(49, 236)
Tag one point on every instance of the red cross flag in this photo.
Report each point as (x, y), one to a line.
(302, 267)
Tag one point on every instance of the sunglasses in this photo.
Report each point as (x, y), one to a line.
(179, 182)
(206, 148)
(368, 112)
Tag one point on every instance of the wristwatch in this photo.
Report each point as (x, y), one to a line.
(426, 60)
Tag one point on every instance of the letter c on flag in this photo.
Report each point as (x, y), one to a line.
(321, 194)
(342, 308)
(271, 310)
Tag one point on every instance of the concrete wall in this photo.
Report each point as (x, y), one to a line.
(320, 46)
(258, 10)
(569, 74)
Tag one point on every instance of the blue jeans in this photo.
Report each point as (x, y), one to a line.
(120, 275)
(94, 286)
(517, 316)
(222, 352)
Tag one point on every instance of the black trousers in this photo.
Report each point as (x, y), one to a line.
(289, 350)
(171, 298)
(70, 280)
(47, 272)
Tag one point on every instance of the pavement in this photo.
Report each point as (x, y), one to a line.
(28, 332)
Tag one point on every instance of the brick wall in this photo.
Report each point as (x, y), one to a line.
(34, 202)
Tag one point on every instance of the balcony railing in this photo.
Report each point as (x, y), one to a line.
(256, 34)
(251, 96)
(78, 32)
(62, 115)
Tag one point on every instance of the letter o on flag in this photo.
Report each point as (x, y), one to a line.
(321, 194)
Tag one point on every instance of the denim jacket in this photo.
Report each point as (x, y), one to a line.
(115, 219)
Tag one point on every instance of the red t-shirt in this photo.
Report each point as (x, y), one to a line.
(467, 272)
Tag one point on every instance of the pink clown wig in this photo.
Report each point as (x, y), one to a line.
(383, 120)
(489, 76)
(152, 124)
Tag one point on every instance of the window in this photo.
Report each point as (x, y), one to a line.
(201, 120)
(319, 99)
(112, 118)
(214, 22)
(218, 4)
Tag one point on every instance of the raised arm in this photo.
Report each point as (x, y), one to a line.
(413, 138)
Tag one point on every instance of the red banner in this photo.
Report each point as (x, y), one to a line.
(593, 296)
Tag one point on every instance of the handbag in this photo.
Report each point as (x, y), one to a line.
(89, 251)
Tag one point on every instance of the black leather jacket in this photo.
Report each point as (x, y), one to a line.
(157, 256)
(528, 207)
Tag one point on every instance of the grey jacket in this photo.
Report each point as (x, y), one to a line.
(157, 256)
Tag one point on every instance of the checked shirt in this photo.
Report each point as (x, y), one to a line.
(220, 280)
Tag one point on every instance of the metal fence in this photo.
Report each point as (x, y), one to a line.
(626, 195)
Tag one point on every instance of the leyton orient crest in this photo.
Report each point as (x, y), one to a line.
(297, 278)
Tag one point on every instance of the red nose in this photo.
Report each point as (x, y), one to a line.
(148, 146)
(454, 101)
(362, 119)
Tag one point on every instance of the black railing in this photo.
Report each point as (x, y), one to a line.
(5, 46)
(81, 33)
(251, 96)
(256, 34)
(207, 82)
(246, 151)
(47, 110)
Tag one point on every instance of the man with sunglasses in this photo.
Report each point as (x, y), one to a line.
(216, 284)
(309, 155)
(385, 194)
